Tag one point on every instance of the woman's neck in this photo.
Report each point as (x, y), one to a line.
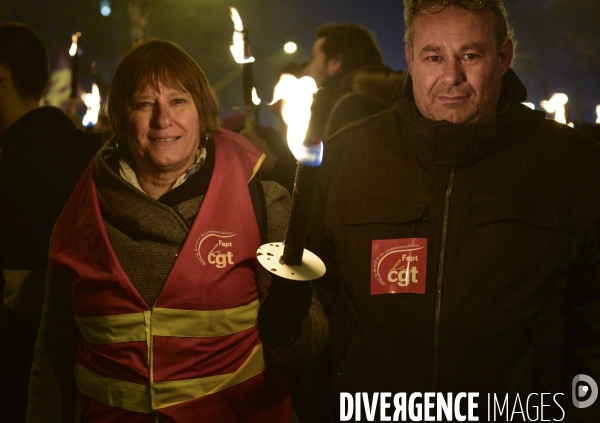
(154, 186)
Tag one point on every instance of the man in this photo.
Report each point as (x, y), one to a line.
(347, 62)
(42, 156)
(461, 233)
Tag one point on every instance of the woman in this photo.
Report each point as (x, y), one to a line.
(154, 256)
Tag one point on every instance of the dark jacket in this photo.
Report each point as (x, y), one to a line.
(358, 93)
(43, 157)
(511, 215)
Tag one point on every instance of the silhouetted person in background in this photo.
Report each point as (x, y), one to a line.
(279, 164)
(42, 156)
(347, 62)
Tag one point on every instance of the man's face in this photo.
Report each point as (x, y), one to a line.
(455, 65)
(319, 67)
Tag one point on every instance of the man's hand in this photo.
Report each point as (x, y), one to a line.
(281, 314)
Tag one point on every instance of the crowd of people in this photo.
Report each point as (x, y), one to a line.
(460, 230)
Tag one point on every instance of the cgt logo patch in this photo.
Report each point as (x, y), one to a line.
(215, 248)
(398, 266)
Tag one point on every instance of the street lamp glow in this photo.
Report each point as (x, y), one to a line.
(105, 8)
(290, 47)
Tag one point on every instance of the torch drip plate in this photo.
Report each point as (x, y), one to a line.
(269, 255)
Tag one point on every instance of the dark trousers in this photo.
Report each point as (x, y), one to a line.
(18, 332)
(311, 395)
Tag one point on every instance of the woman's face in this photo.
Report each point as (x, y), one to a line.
(163, 131)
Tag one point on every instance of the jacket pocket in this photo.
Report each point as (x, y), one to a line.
(518, 236)
(533, 214)
(385, 211)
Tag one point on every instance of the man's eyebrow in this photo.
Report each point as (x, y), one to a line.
(473, 46)
(430, 48)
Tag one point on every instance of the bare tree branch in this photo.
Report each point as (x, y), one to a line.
(139, 11)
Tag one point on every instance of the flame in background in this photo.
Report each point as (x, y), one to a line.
(556, 105)
(297, 96)
(598, 114)
(237, 49)
(74, 42)
(92, 101)
(255, 98)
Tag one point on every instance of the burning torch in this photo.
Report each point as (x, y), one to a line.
(242, 54)
(92, 102)
(290, 259)
(558, 105)
(74, 52)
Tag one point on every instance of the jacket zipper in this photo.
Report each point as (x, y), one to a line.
(440, 277)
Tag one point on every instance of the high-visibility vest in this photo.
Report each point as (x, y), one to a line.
(196, 354)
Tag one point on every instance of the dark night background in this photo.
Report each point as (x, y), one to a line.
(558, 40)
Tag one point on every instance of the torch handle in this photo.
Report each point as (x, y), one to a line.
(247, 78)
(304, 184)
(74, 75)
(247, 85)
(298, 222)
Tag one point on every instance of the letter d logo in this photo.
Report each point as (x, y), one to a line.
(582, 385)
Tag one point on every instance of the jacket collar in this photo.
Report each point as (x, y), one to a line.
(343, 81)
(448, 144)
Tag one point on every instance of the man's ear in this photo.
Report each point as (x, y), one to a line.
(334, 66)
(506, 55)
(409, 58)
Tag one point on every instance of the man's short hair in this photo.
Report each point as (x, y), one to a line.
(504, 30)
(354, 44)
(24, 54)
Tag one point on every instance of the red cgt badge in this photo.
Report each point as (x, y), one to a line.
(398, 266)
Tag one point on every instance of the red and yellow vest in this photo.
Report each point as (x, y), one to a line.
(195, 355)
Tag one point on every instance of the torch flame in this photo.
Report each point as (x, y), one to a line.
(237, 49)
(598, 114)
(556, 105)
(238, 26)
(296, 96)
(255, 98)
(74, 42)
(92, 101)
